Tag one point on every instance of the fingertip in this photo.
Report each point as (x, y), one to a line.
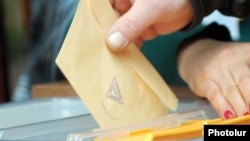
(246, 113)
(116, 41)
(228, 114)
(127, 29)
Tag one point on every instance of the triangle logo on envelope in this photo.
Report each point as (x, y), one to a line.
(114, 92)
(137, 93)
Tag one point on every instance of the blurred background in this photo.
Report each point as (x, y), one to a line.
(14, 15)
(32, 32)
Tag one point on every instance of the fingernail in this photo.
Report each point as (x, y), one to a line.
(228, 114)
(246, 113)
(117, 40)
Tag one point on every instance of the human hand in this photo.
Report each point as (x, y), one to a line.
(145, 19)
(220, 72)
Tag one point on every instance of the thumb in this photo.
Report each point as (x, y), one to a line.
(129, 26)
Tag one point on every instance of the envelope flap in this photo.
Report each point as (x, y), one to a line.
(111, 85)
(105, 16)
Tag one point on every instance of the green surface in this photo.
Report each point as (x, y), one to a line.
(245, 30)
(161, 52)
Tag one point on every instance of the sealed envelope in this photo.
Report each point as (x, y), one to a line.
(118, 88)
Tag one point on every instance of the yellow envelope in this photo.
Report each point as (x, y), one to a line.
(118, 88)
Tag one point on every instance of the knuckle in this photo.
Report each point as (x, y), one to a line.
(229, 90)
(205, 88)
(244, 79)
(131, 26)
(227, 53)
(210, 89)
(243, 84)
(206, 74)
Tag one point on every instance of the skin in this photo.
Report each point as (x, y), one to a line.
(220, 72)
(141, 20)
